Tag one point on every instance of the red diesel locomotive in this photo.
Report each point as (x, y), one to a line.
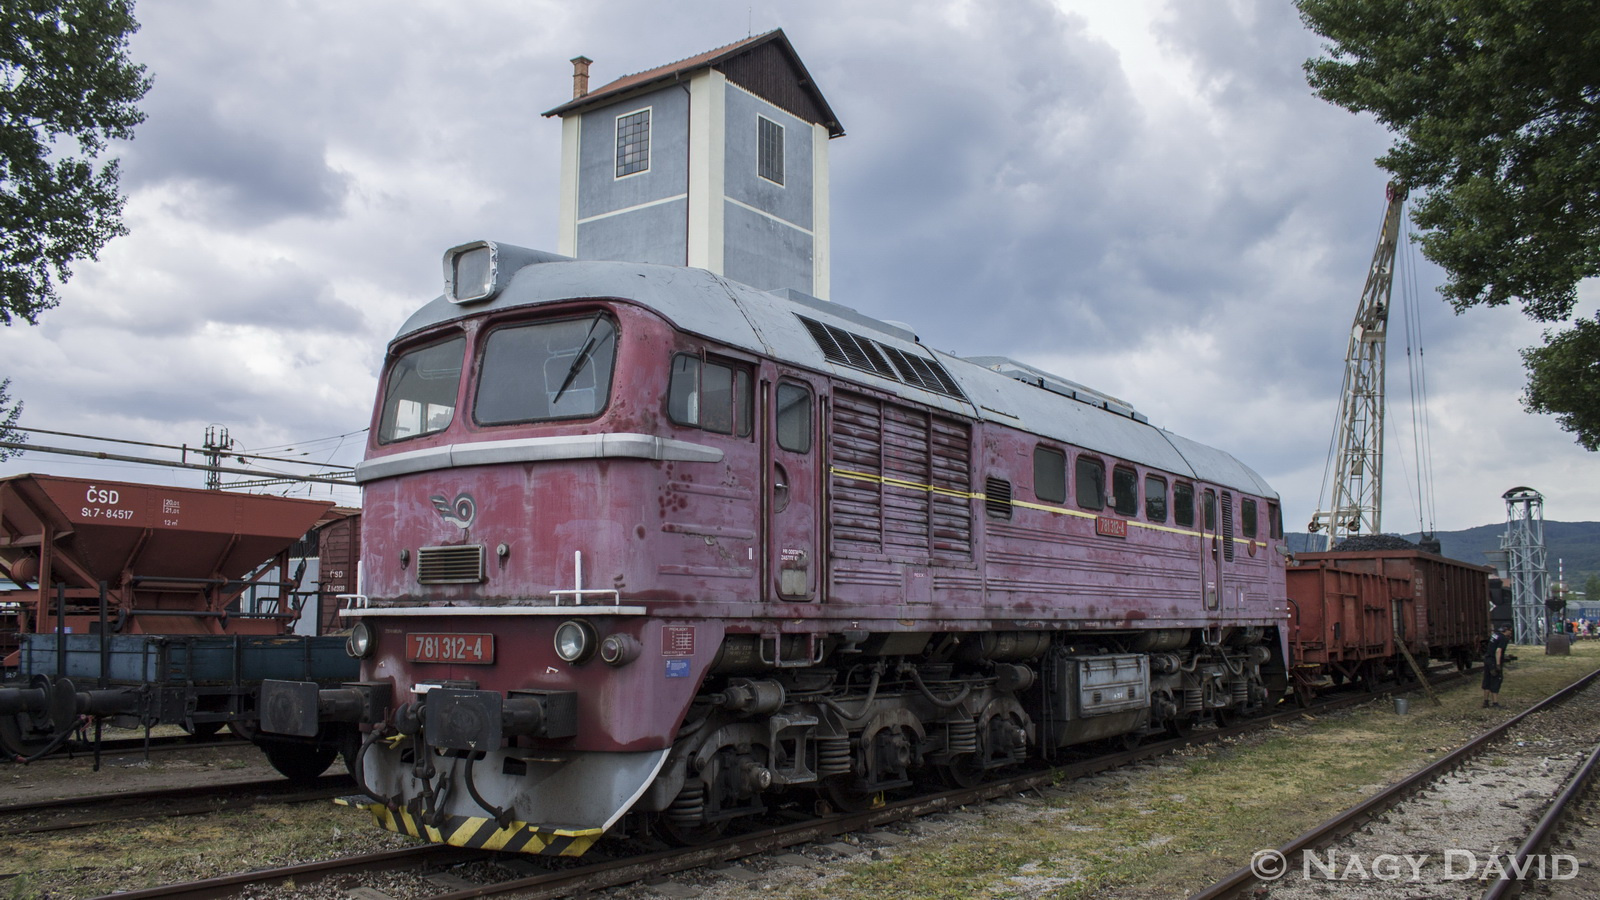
(646, 548)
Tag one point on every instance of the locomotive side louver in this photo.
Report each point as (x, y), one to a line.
(450, 565)
(1227, 526)
(997, 497)
(866, 354)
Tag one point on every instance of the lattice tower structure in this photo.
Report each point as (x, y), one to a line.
(1356, 467)
(1527, 570)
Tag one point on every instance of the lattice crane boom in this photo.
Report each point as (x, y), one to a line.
(1356, 504)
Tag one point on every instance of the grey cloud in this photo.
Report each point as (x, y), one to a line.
(248, 172)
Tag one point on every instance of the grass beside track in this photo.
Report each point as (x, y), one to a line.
(1176, 825)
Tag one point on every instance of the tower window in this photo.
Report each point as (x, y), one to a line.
(769, 161)
(633, 142)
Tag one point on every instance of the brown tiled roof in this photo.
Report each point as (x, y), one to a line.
(684, 67)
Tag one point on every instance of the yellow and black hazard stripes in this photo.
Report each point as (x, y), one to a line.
(481, 833)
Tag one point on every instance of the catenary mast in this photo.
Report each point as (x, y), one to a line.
(1357, 463)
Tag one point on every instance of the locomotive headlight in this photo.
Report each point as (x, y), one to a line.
(575, 640)
(477, 271)
(469, 272)
(360, 643)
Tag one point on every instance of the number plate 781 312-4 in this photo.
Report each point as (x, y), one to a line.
(474, 649)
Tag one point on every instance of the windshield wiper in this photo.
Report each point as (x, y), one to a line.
(581, 360)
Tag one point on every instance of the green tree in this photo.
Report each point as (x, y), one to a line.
(1495, 105)
(8, 423)
(1564, 380)
(1591, 591)
(65, 79)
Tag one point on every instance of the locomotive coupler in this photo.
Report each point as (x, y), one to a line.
(481, 720)
(299, 707)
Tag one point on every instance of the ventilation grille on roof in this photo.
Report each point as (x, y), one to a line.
(866, 354)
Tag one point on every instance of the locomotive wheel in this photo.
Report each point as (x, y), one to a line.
(843, 794)
(680, 835)
(964, 772)
(299, 762)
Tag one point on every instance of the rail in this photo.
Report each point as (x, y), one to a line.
(1237, 883)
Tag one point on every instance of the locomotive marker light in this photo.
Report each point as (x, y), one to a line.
(620, 649)
(575, 640)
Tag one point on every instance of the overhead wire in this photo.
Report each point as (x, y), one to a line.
(1416, 365)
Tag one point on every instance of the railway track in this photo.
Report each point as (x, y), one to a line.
(39, 816)
(545, 877)
(1478, 822)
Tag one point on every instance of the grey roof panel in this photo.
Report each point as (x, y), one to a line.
(730, 313)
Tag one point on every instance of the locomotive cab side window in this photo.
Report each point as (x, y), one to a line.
(1247, 515)
(1183, 504)
(1091, 477)
(1208, 508)
(419, 395)
(794, 418)
(546, 370)
(710, 395)
(1049, 475)
(1125, 491)
(1155, 498)
(1274, 521)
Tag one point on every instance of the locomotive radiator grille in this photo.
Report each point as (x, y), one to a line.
(462, 564)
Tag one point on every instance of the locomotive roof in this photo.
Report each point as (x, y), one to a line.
(773, 324)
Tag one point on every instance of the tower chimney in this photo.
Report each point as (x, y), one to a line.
(580, 76)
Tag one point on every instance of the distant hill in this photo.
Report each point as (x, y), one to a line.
(1575, 544)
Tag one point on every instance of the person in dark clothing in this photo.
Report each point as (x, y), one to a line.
(1494, 666)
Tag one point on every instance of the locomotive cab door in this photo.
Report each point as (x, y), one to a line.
(1211, 552)
(793, 444)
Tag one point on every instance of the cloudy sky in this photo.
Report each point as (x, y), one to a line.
(1140, 195)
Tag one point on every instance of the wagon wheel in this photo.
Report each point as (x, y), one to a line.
(203, 731)
(299, 762)
(16, 739)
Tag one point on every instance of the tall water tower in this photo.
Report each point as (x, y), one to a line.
(1526, 572)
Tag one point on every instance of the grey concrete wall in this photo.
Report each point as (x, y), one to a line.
(763, 253)
(599, 188)
(790, 201)
(654, 234)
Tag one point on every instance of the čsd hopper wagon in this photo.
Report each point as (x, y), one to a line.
(648, 549)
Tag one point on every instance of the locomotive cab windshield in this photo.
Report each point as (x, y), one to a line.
(528, 372)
